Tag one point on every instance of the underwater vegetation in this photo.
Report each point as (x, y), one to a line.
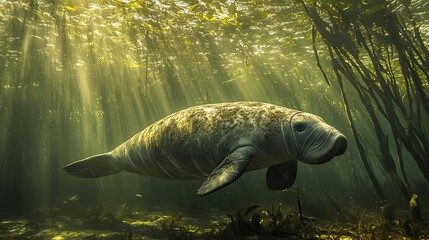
(78, 77)
(75, 220)
(376, 48)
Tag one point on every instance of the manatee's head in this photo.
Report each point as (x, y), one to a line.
(312, 140)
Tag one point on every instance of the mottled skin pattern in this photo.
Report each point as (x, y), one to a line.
(219, 142)
(189, 144)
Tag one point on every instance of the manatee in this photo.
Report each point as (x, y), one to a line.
(218, 143)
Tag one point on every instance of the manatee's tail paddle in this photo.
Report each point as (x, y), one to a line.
(92, 167)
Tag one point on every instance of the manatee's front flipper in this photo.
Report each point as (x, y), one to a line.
(228, 170)
(281, 176)
(92, 167)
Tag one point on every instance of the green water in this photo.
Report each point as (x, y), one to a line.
(78, 78)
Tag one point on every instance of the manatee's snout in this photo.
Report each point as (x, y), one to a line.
(340, 145)
(333, 145)
(316, 141)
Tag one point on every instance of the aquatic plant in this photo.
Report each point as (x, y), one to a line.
(388, 212)
(242, 223)
(377, 49)
(174, 229)
(253, 222)
(415, 211)
(283, 224)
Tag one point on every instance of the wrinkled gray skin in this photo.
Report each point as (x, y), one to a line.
(219, 142)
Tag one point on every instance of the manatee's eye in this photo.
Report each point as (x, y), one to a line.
(299, 127)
